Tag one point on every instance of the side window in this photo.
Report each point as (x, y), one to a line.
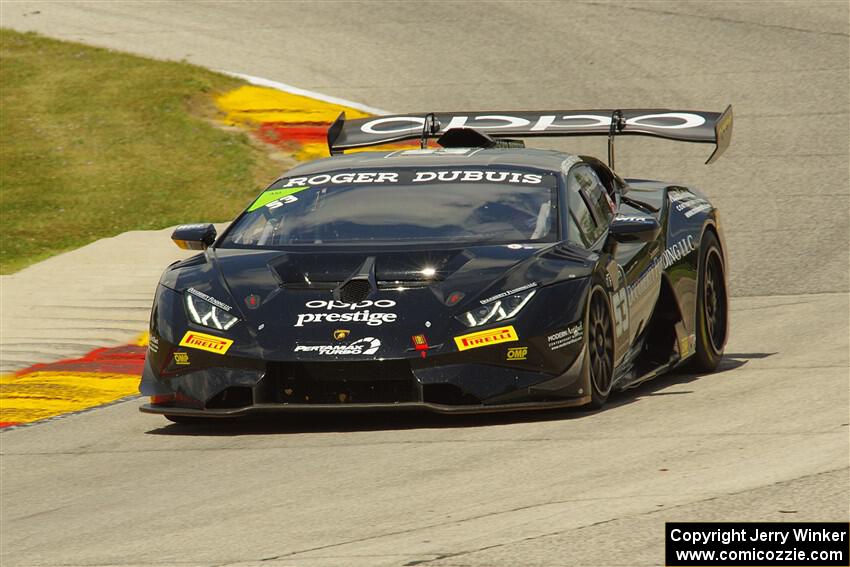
(591, 209)
(581, 225)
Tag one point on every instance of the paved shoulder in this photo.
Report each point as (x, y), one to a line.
(99, 295)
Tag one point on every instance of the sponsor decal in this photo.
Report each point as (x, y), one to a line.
(683, 347)
(420, 344)
(153, 343)
(486, 338)
(568, 336)
(652, 273)
(181, 358)
(209, 299)
(498, 296)
(459, 175)
(623, 298)
(341, 334)
(542, 123)
(517, 353)
(274, 198)
(634, 218)
(342, 179)
(687, 345)
(252, 301)
(364, 346)
(351, 312)
(686, 201)
(202, 341)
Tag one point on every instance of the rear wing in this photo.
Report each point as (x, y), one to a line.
(680, 125)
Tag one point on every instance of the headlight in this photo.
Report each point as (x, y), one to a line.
(205, 313)
(499, 310)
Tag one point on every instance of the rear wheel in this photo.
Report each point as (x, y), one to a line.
(600, 347)
(712, 307)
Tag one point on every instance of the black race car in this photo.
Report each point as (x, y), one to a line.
(474, 276)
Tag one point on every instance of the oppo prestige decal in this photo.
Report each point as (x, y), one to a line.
(543, 123)
(340, 312)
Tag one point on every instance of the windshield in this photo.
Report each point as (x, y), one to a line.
(407, 205)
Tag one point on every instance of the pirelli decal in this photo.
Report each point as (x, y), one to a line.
(486, 338)
(205, 342)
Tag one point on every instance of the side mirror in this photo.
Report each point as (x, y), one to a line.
(634, 228)
(193, 236)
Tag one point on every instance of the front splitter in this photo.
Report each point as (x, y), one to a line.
(338, 408)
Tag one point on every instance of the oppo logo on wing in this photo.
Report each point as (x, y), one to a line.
(329, 312)
(542, 123)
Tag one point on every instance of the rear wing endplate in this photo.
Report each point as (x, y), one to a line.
(680, 125)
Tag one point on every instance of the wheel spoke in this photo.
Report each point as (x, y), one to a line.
(600, 343)
(714, 300)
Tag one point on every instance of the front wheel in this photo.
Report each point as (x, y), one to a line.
(712, 307)
(600, 347)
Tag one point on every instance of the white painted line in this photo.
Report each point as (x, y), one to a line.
(259, 81)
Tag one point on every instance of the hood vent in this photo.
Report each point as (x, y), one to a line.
(359, 285)
(355, 291)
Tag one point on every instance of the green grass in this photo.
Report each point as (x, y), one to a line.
(94, 143)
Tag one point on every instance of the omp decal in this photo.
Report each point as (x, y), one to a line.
(517, 353)
(42, 391)
(366, 345)
(568, 336)
(181, 358)
(209, 299)
(275, 198)
(202, 341)
(493, 298)
(486, 338)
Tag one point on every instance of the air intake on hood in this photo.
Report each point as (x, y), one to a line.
(355, 291)
(359, 285)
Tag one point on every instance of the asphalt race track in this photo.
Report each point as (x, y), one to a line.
(764, 439)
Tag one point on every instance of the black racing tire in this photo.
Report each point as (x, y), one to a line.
(712, 317)
(599, 333)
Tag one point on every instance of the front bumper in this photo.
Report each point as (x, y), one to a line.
(395, 385)
(258, 409)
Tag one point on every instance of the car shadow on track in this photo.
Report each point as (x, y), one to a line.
(289, 423)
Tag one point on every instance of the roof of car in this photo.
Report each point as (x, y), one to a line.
(439, 157)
